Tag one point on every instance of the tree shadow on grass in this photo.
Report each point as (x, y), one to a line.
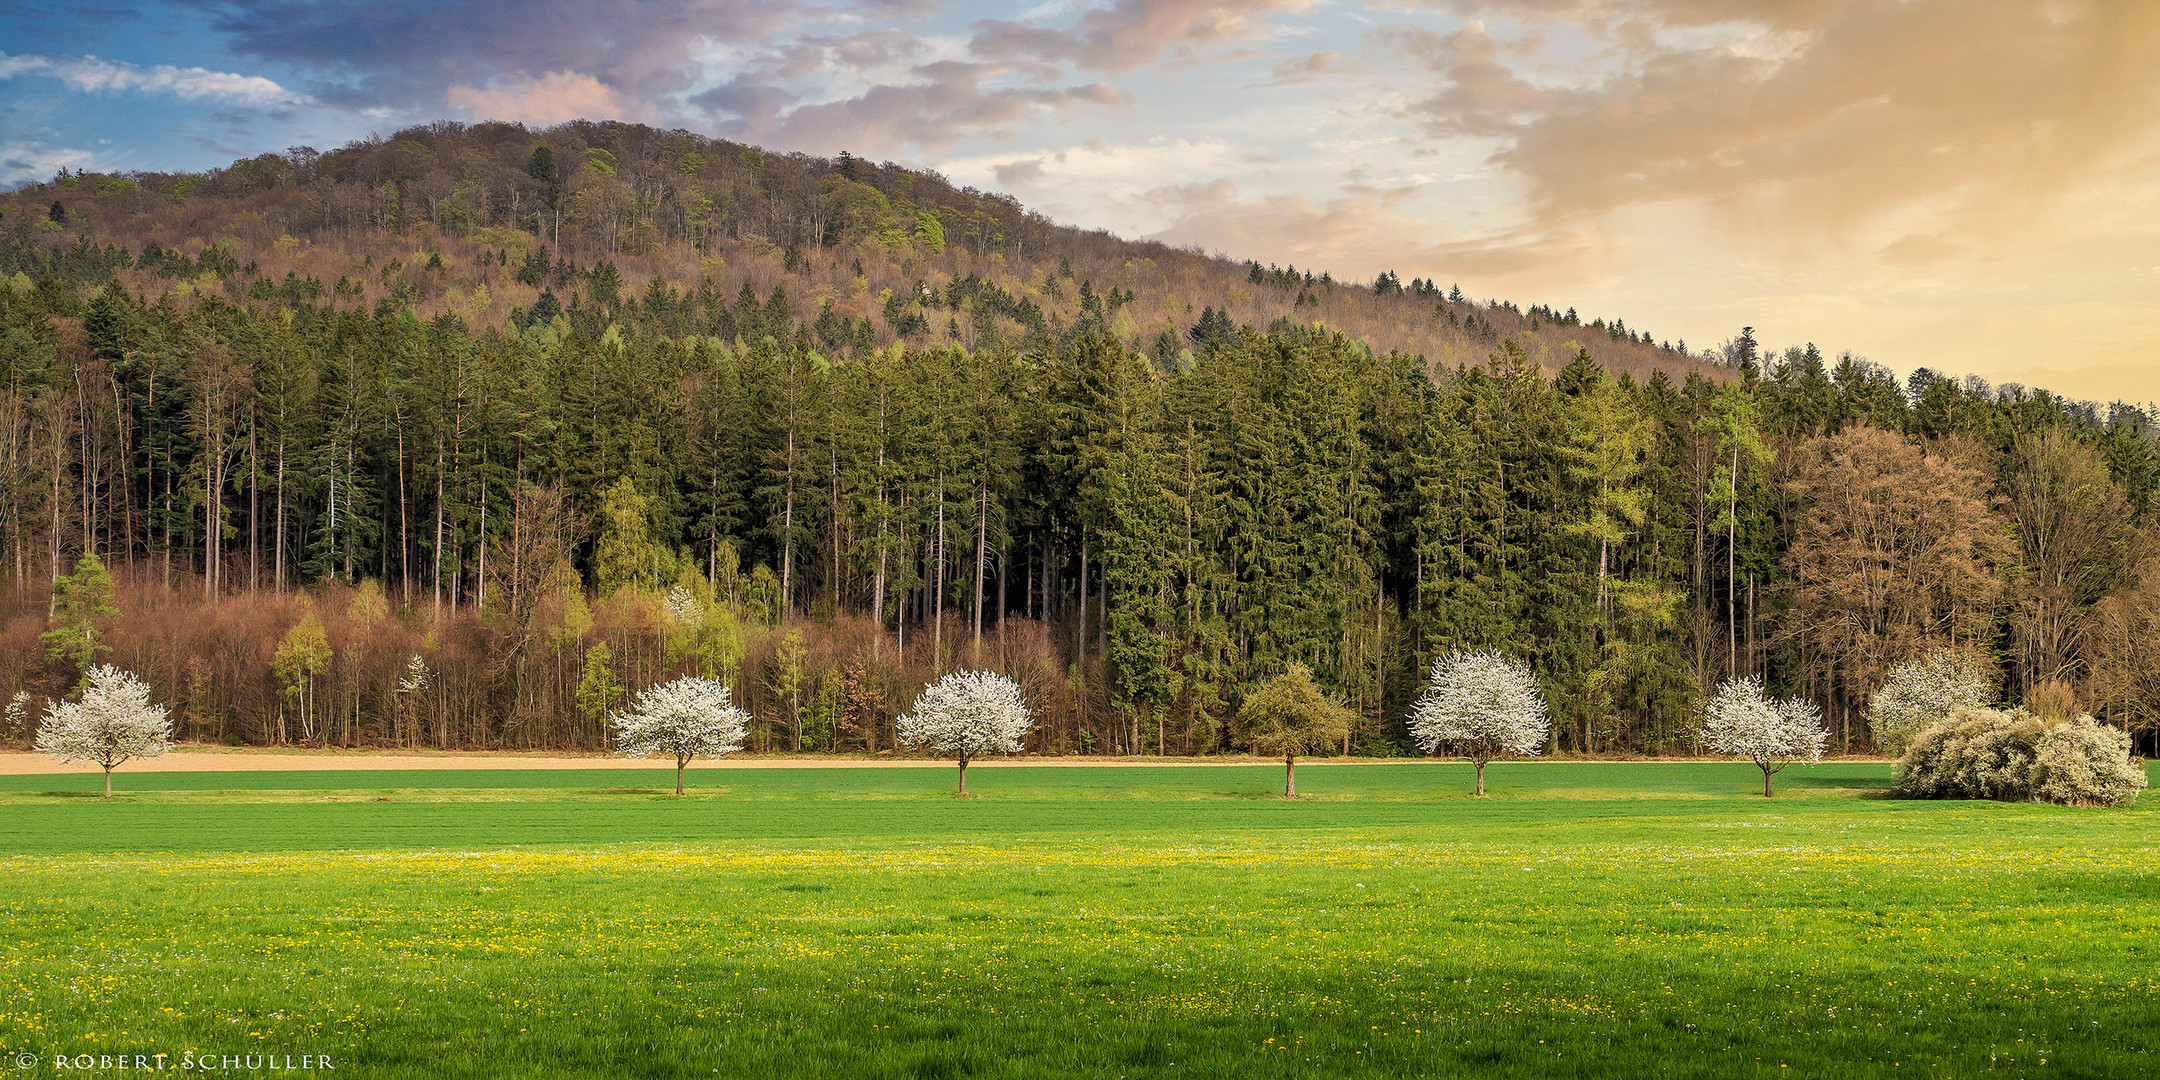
(1843, 783)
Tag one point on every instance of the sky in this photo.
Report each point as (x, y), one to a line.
(1967, 185)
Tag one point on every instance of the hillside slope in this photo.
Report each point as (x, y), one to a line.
(479, 220)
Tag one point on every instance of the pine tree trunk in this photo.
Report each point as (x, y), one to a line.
(1732, 568)
(254, 510)
(937, 587)
(279, 569)
(437, 554)
(1080, 636)
(787, 533)
(982, 537)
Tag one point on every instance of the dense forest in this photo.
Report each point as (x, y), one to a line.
(455, 438)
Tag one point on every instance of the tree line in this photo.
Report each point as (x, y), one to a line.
(327, 523)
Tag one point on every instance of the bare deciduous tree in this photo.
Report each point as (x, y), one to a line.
(1895, 545)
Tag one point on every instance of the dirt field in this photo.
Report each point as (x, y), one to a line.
(223, 759)
(227, 759)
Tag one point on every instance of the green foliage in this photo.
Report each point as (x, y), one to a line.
(787, 680)
(929, 232)
(1290, 716)
(301, 657)
(598, 690)
(626, 556)
(83, 609)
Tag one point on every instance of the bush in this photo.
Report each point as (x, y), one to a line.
(2083, 762)
(2015, 756)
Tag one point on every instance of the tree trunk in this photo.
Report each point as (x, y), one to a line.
(278, 569)
(1480, 779)
(1766, 781)
(680, 761)
(1081, 633)
(254, 510)
(963, 777)
(982, 535)
(1289, 776)
(787, 531)
(1732, 568)
(436, 555)
(108, 781)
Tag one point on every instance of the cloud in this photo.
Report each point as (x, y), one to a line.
(1130, 33)
(32, 162)
(1813, 114)
(549, 99)
(945, 102)
(1014, 174)
(1316, 63)
(409, 53)
(1360, 235)
(92, 75)
(1920, 249)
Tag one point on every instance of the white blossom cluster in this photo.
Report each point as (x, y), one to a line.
(2083, 762)
(691, 717)
(2013, 755)
(113, 722)
(683, 606)
(1742, 720)
(17, 715)
(1924, 691)
(1482, 703)
(417, 677)
(968, 714)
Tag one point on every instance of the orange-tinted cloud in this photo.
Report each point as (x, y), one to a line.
(549, 99)
(1130, 33)
(1813, 113)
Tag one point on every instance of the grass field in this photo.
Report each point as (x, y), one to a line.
(1589, 920)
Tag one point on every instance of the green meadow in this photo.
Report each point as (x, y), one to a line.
(1590, 919)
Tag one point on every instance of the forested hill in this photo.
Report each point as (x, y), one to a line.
(457, 438)
(479, 221)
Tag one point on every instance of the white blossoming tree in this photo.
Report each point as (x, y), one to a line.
(691, 717)
(1484, 705)
(1924, 691)
(1743, 721)
(113, 723)
(965, 715)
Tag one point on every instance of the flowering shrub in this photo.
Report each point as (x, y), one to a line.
(2013, 755)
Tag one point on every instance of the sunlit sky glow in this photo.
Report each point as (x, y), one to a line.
(1969, 185)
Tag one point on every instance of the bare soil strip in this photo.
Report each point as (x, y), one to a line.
(226, 759)
(221, 759)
